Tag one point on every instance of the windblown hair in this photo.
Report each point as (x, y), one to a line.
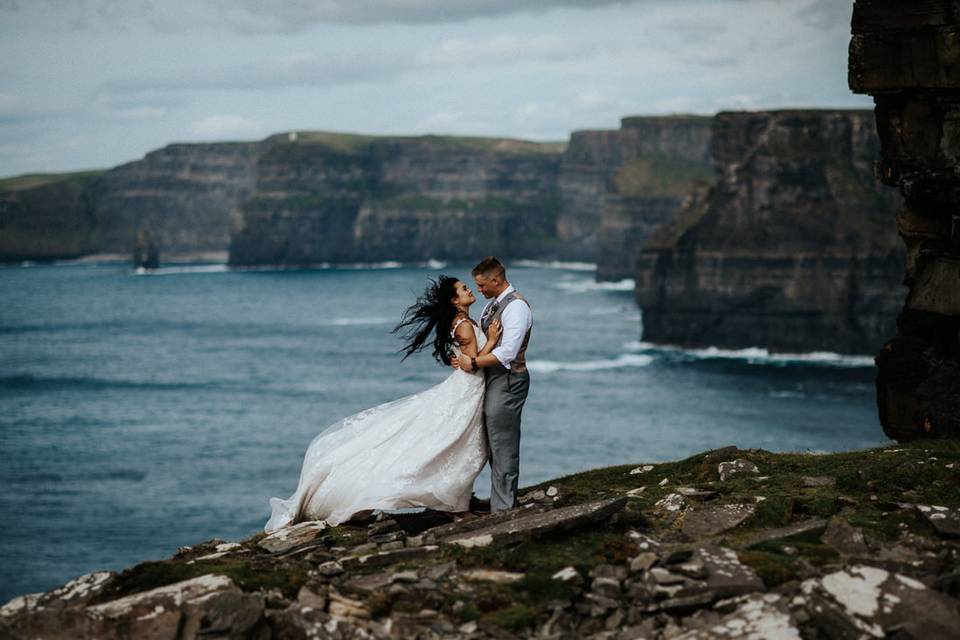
(490, 266)
(433, 311)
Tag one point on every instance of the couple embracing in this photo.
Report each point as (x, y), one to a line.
(426, 450)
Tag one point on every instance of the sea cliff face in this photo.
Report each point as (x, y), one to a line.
(44, 217)
(903, 55)
(183, 194)
(338, 198)
(792, 249)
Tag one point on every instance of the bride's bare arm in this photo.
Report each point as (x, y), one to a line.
(466, 339)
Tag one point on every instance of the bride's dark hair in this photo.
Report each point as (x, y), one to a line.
(432, 311)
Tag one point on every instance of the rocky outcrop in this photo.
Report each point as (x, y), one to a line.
(617, 186)
(791, 250)
(338, 198)
(904, 55)
(183, 194)
(730, 543)
(44, 217)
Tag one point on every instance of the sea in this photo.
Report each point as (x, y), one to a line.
(141, 410)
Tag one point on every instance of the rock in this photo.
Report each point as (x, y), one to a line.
(944, 519)
(867, 601)
(330, 568)
(662, 576)
(615, 571)
(599, 605)
(390, 536)
(388, 557)
(145, 252)
(844, 538)
(301, 535)
(804, 526)
(644, 468)
(696, 494)
(726, 575)
(533, 496)
(687, 604)
(438, 571)
(633, 493)
(552, 492)
(538, 524)
(671, 504)
(736, 468)
(643, 561)
(489, 575)
(823, 284)
(764, 617)
(405, 576)
(308, 597)
(663, 482)
(368, 583)
(366, 547)
(643, 541)
(818, 481)
(346, 608)
(568, 574)
(607, 587)
(704, 522)
(379, 527)
(390, 546)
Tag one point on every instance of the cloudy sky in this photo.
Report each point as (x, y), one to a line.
(94, 83)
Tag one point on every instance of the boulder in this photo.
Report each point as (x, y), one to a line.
(703, 522)
(301, 535)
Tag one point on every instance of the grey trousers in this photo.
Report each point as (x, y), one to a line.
(503, 403)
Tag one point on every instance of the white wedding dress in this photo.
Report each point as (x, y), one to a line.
(424, 450)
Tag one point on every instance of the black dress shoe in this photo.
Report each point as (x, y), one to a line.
(477, 505)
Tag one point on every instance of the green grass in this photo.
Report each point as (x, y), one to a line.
(32, 180)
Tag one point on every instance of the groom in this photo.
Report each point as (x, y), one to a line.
(506, 377)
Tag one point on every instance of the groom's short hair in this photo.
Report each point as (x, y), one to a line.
(490, 266)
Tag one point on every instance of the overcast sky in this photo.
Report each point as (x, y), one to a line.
(94, 83)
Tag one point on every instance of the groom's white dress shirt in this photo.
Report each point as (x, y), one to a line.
(516, 320)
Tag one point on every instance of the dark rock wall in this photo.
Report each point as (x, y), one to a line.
(46, 218)
(906, 56)
(328, 199)
(792, 248)
(617, 186)
(183, 194)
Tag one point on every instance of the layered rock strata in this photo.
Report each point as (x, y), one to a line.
(792, 249)
(904, 55)
(183, 194)
(336, 198)
(617, 186)
(44, 217)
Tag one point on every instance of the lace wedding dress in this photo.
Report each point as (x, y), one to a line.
(424, 450)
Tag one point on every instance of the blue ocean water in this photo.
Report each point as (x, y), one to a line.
(142, 412)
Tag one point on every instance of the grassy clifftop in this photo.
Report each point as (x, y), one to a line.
(728, 537)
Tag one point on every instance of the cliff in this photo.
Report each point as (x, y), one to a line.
(727, 543)
(46, 216)
(792, 248)
(183, 194)
(338, 198)
(617, 186)
(903, 55)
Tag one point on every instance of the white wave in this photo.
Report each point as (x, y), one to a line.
(625, 360)
(196, 268)
(555, 264)
(435, 264)
(349, 322)
(582, 286)
(757, 355)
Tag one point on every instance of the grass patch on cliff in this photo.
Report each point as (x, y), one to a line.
(658, 175)
(288, 577)
(77, 179)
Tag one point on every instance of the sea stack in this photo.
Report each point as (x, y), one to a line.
(145, 253)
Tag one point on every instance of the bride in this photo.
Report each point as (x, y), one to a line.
(424, 450)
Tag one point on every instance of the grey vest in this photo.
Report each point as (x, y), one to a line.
(519, 364)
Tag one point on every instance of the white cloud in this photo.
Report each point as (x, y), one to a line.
(142, 113)
(498, 50)
(226, 125)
